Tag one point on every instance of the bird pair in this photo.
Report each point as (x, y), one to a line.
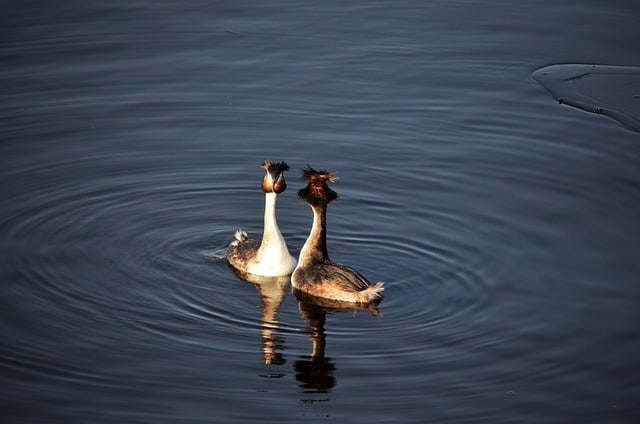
(313, 273)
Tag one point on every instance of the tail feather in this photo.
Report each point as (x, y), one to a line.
(372, 293)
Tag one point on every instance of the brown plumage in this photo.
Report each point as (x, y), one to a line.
(315, 273)
(317, 192)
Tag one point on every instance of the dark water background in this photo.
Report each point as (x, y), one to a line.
(505, 226)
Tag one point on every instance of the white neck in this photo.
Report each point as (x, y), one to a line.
(272, 257)
(271, 235)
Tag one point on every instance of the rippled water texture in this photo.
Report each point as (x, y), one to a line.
(504, 225)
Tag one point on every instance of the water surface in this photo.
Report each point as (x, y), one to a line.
(504, 225)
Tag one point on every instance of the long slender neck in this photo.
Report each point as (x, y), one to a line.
(271, 232)
(315, 248)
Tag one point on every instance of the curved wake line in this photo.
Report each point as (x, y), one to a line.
(613, 91)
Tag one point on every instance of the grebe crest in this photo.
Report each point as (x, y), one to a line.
(317, 192)
(315, 274)
(267, 257)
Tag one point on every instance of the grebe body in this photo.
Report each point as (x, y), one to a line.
(268, 257)
(315, 274)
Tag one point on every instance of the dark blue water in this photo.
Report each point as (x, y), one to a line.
(505, 226)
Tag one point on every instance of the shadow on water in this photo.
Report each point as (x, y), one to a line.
(272, 292)
(315, 372)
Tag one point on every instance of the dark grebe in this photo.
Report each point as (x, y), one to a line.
(315, 274)
(269, 257)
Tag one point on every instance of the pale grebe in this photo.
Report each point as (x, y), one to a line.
(269, 257)
(315, 274)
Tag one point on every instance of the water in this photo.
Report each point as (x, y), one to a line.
(608, 90)
(504, 225)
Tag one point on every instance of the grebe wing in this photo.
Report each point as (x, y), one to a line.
(240, 253)
(343, 276)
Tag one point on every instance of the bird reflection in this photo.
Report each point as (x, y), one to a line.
(316, 371)
(272, 292)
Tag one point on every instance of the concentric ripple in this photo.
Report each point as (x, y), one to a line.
(505, 233)
(118, 249)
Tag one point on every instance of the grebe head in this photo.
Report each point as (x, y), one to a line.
(317, 192)
(273, 181)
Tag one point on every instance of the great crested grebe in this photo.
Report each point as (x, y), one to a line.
(315, 274)
(270, 256)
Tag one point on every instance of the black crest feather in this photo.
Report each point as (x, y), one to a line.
(274, 167)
